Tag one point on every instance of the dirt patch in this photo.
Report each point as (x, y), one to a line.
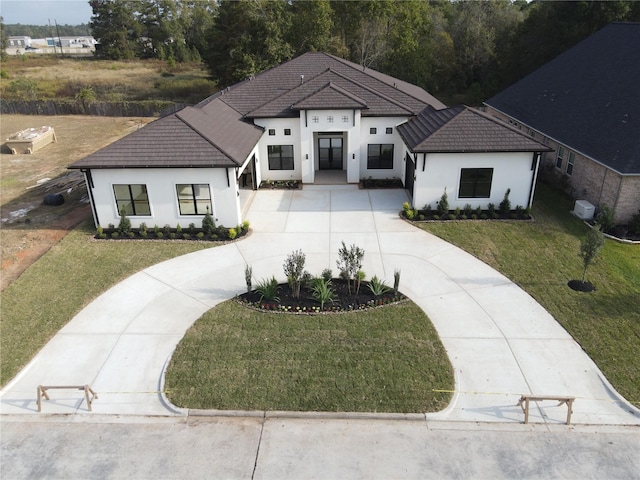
(30, 228)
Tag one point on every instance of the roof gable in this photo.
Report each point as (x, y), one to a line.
(462, 129)
(587, 98)
(328, 97)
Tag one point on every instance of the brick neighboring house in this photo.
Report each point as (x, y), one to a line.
(585, 104)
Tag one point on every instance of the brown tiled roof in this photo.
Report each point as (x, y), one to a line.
(211, 137)
(463, 129)
(271, 93)
(328, 97)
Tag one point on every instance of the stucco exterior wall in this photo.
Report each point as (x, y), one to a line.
(381, 137)
(440, 170)
(279, 125)
(163, 200)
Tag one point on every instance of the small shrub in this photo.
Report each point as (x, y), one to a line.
(478, 211)
(327, 274)
(484, 216)
(452, 216)
(463, 217)
(143, 234)
(248, 275)
(495, 215)
(268, 290)
(124, 227)
(421, 217)
(377, 286)
(396, 280)
(166, 230)
(590, 247)
(491, 209)
(200, 235)
(457, 211)
(208, 225)
(321, 291)
(245, 225)
(99, 230)
(505, 204)
(443, 204)
(605, 219)
(467, 209)
(436, 217)
(233, 233)
(159, 234)
(474, 216)
(115, 234)
(178, 229)
(131, 235)
(349, 263)
(156, 230)
(427, 207)
(142, 227)
(519, 211)
(172, 235)
(186, 236)
(192, 228)
(634, 225)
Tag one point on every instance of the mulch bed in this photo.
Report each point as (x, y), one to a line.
(580, 286)
(344, 301)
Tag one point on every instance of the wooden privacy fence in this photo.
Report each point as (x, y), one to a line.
(525, 399)
(42, 392)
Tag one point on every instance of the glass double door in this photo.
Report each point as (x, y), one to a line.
(330, 153)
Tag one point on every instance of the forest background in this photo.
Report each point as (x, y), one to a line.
(460, 51)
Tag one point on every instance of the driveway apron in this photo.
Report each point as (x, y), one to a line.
(502, 343)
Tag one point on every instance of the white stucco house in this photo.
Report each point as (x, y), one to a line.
(313, 114)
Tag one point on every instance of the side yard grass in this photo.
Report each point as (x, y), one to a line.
(67, 278)
(541, 257)
(388, 359)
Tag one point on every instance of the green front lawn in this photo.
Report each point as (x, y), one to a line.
(66, 279)
(388, 359)
(541, 257)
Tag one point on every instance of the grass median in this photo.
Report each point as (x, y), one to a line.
(542, 256)
(388, 359)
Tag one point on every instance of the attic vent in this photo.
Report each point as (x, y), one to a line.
(301, 79)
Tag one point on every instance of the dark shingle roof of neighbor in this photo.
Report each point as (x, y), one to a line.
(587, 98)
(463, 129)
(214, 136)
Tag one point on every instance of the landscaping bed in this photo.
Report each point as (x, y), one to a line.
(381, 183)
(281, 185)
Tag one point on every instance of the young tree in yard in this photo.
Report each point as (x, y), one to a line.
(350, 263)
(590, 248)
(3, 41)
(294, 270)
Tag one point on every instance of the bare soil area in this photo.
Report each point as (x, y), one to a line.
(30, 228)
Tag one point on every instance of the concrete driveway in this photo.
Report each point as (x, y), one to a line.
(500, 341)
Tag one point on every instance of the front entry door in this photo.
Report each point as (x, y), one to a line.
(330, 153)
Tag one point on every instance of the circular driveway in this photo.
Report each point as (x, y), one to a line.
(501, 343)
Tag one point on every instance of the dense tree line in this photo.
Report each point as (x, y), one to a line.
(445, 46)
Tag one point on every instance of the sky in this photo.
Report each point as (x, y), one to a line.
(40, 12)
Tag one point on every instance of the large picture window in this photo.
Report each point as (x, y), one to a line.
(380, 156)
(194, 198)
(280, 157)
(133, 198)
(475, 183)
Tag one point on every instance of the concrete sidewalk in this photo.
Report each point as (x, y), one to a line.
(280, 448)
(501, 343)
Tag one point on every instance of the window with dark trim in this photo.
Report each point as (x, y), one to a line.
(272, 131)
(194, 198)
(280, 157)
(475, 182)
(570, 160)
(133, 198)
(287, 131)
(373, 130)
(389, 130)
(559, 157)
(380, 156)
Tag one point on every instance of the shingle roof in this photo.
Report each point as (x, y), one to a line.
(463, 129)
(271, 93)
(328, 97)
(587, 98)
(211, 137)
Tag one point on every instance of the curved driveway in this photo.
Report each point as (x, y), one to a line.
(500, 341)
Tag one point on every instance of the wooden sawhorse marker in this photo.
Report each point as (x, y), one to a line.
(42, 392)
(568, 401)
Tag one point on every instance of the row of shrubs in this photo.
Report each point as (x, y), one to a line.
(208, 231)
(468, 212)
